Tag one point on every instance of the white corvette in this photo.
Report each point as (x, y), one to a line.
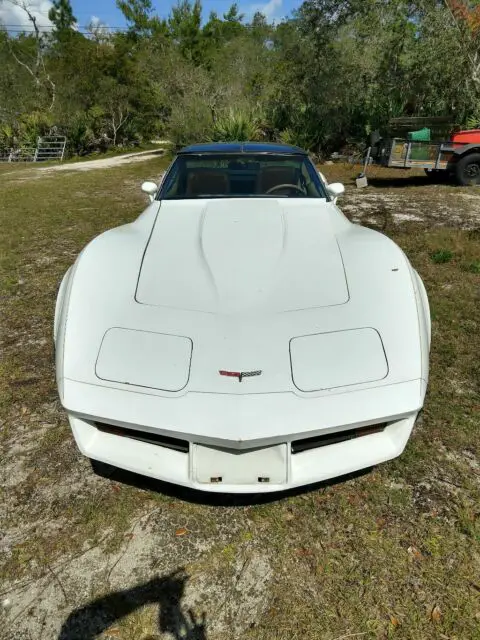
(242, 335)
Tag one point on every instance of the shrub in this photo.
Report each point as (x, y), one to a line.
(33, 125)
(473, 267)
(80, 137)
(188, 123)
(237, 126)
(7, 136)
(441, 256)
(296, 138)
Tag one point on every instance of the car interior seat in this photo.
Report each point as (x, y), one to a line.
(274, 176)
(207, 182)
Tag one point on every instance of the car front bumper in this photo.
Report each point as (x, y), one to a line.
(263, 469)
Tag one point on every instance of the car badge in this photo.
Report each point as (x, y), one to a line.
(239, 374)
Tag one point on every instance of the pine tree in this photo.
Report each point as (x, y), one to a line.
(61, 15)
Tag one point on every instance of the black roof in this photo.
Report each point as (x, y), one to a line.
(241, 147)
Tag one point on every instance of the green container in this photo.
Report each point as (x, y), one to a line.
(420, 152)
(422, 135)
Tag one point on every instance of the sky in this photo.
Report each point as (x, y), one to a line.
(106, 12)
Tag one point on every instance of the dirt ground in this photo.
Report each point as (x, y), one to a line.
(390, 553)
(105, 163)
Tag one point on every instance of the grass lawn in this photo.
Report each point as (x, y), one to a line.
(392, 553)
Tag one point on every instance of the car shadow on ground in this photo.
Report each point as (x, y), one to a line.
(213, 499)
(93, 619)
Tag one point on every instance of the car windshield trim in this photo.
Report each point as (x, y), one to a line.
(229, 175)
(234, 197)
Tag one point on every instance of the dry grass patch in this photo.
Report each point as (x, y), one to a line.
(394, 553)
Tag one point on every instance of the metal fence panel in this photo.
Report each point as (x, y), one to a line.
(47, 148)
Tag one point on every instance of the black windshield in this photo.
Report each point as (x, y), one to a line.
(241, 176)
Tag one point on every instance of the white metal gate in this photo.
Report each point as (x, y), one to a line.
(50, 148)
(47, 148)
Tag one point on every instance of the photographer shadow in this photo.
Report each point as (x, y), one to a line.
(96, 617)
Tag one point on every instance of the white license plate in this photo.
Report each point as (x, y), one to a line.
(212, 465)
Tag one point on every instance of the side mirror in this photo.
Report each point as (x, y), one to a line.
(151, 189)
(335, 189)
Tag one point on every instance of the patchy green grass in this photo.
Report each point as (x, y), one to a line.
(393, 553)
(441, 256)
(473, 267)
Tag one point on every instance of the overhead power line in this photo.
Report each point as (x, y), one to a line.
(19, 28)
(29, 24)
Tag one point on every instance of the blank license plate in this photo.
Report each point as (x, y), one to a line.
(225, 466)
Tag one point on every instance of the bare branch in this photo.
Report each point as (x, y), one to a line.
(38, 66)
(51, 83)
(122, 119)
(23, 64)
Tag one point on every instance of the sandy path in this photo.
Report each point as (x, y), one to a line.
(106, 163)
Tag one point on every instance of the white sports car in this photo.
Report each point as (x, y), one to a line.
(242, 335)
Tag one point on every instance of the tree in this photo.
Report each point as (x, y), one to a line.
(28, 51)
(322, 78)
(184, 25)
(61, 15)
(141, 19)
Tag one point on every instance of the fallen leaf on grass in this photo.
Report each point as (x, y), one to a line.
(475, 586)
(181, 532)
(436, 614)
(304, 552)
(414, 553)
(395, 622)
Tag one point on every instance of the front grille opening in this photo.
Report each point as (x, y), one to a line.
(333, 438)
(152, 438)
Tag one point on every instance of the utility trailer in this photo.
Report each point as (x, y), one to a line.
(458, 157)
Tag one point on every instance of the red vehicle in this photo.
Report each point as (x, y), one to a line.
(458, 157)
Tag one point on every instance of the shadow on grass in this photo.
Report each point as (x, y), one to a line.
(402, 182)
(88, 622)
(196, 496)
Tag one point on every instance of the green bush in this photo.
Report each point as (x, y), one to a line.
(7, 136)
(32, 125)
(237, 126)
(80, 137)
(441, 256)
(188, 123)
(473, 121)
(473, 267)
(296, 138)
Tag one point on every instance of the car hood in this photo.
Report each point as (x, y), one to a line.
(162, 306)
(229, 256)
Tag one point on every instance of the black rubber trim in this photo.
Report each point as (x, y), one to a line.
(333, 438)
(145, 436)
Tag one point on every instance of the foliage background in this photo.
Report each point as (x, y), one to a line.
(324, 78)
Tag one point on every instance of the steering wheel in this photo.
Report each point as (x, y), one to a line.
(277, 187)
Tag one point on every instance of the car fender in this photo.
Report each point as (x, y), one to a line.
(59, 302)
(60, 321)
(464, 149)
(424, 324)
(425, 307)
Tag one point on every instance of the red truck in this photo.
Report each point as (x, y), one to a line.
(458, 157)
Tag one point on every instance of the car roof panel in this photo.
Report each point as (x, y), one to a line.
(241, 147)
